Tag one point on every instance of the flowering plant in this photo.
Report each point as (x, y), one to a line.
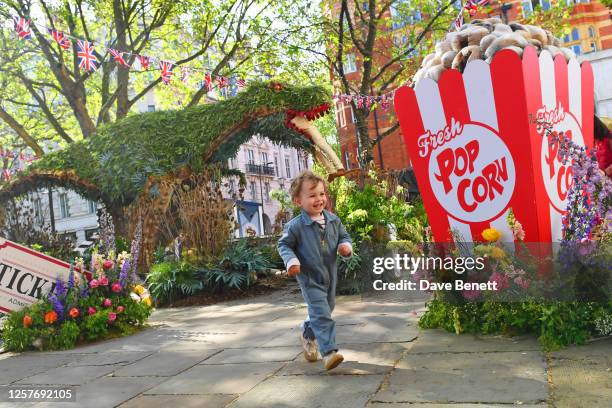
(85, 307)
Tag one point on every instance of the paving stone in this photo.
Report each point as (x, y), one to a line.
(359, 359)
(435, 341)
(305, 391)
(468, 378)
(179, 401)
(70, 375)
(582, 375)
(254, 355)
(411, 405)
(164, 363)
(16, 367)
(106, 392)
(109, 358)
(217, 379)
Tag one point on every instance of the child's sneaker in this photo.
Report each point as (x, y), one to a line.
(332, 359)
(310, 348)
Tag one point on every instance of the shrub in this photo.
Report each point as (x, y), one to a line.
(557, 324)
(238, 266)
(171, 280)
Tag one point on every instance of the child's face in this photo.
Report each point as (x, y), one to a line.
(312, 198)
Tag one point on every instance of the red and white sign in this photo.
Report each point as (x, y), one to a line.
(26, 275)
(478, 147)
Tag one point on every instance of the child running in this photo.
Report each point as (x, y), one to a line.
(308, 247)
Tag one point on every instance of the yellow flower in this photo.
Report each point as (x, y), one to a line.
(497, 253)
(139, 289)
(491, 234)
(147, 301)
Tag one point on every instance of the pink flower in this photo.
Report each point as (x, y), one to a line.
(120, 309)
(523, 283)
(91, 310)
(94, 283)
(471, 294)
(107, 264)
(112, 317)
(517, 231)
(104, 281)
(107, 303)
(502, 280)
(116, 287)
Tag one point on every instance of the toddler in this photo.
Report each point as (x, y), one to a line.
(308, 247)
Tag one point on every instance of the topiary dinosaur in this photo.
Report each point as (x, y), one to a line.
(134, 164)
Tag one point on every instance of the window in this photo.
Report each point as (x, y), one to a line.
(231, 188)
(575, 34)
(545, 4)
(276, 166)
(92, 206)
(90, 233)
(591, 32)
(593, 47)
(267, 191)
(341, 117)
(305, 162)
(353, 117)
(402, 14)
(263, 157)
(64, 208)
(282, 186)
(527, 8)
(299, 162)
(349, 64)
(250, 156)
(347, 162)
(38, 213)
(253, 191)
(151, 108)
(288, 167)
(577, 49)
(566, 38)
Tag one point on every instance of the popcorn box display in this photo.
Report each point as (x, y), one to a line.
(478, 144)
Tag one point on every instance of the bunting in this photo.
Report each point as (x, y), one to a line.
(144, 62)
(118, 57)
(165, 68)
(60, 38)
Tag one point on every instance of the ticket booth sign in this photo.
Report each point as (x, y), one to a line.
(26, 275)
(478, 143)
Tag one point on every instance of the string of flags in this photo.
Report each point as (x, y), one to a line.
(371, 102)
(20, 161)
(89, 59)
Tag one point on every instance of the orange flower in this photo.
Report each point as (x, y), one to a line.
(27, 321)
(74, 312)
(50, 317)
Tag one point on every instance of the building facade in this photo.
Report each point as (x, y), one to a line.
(591, 32)
(267, 167)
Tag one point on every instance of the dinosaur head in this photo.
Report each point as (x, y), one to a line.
(285, 114)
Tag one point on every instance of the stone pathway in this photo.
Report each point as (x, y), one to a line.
(245, 354)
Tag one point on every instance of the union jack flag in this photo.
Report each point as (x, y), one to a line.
(483, 2)
(86, 56)
(184, 74)
(221, 82)
(209, 82)
(166, 71)
(60, 38)
(118, 57)
(459, 20)
(241, 83)
(144, 62)
(22, 27)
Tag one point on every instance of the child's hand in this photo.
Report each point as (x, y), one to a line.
(345, 250)
(294, 270)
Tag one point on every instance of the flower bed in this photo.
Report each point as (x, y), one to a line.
(109, 304)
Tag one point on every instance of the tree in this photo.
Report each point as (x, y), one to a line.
(388, 39)
(45, 97)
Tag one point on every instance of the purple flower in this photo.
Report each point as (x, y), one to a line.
(58, 307)
(123, 275)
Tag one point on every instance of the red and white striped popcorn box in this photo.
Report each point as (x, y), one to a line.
(478, 150)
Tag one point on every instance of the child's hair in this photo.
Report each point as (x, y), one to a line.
(306, 175)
